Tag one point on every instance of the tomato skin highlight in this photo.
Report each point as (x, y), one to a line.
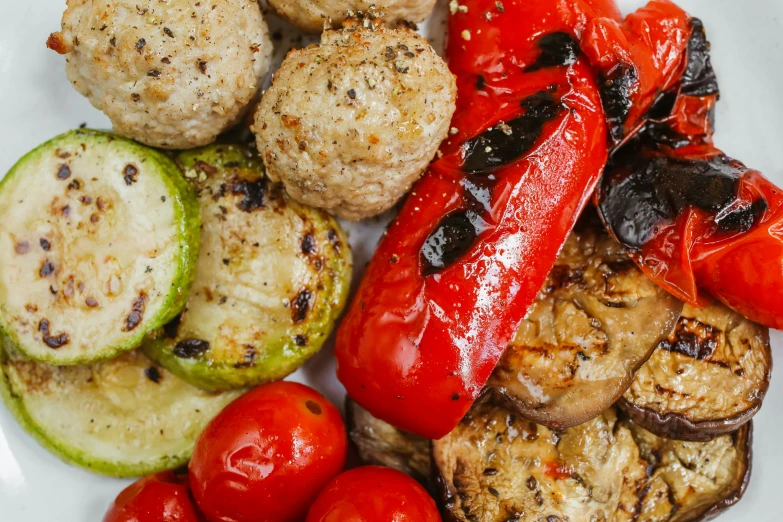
(163, 496)
(418, 344)
(373, 494)
(267, 455)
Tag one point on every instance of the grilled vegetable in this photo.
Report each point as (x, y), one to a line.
(125, 417)
(98, 244)
(708, 378)
(468, 252)
(696, 221)
(496, 467)
(383, 444)
(272, 278)
(596, 321)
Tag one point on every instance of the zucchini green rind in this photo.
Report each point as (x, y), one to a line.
(99, 238)
(124, 418)
(272, 278)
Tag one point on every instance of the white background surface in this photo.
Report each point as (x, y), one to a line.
(37, 103)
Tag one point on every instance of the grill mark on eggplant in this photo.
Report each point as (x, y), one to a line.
(503, 144)
(556, 49)
(136, 314)
(190, 348)
(254, 193)
(693, 339)
(615, 88)
(643, 190)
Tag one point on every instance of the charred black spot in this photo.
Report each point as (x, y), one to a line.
(75, 185)
(556, 49)
(172, 327)
(699, 77)
(190, 348)
(300, 340)
(47, 269)
(136, 314)
(334, 239)
(254, 193)
(130, 174)
(308, 244)
(741, 220)
(453, 237)
(481, 82)
(248, 359)
(140, 44)
(642, 189)
(43, 326)
(693, 339)
(506, 143)
(616, 86)
(64, 172)
(202, 66)
(56, 341)
(300, 306)
(152, 373)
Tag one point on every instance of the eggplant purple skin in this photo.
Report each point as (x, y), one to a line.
(718, 509)
(678, 427)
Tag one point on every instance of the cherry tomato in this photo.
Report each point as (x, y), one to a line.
(267, 455)
(163, 496)
(373, 494)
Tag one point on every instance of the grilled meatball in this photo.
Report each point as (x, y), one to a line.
(351, 124)
(171, 75)
(310, 15)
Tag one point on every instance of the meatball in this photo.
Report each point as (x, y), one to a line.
(351, 124)
(171, 74)
(310, 15)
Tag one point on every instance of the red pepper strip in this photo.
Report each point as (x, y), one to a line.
(636, 60)
(698, 223)
(458, 268)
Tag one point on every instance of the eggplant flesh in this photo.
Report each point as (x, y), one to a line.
(595, 322)
(708, 378)
(379, 443)
(496, 467)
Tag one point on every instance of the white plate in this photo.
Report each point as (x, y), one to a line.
(37, 102)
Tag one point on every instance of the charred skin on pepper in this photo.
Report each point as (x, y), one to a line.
(476, 238)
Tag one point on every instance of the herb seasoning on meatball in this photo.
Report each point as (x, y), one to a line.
(169, 74)
(350, 125)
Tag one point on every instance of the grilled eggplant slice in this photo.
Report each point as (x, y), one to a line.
(495, 467)
(596, 321)
(272, 278)
(124, 418)
(98, 244)
(708, 378)
(382, 444)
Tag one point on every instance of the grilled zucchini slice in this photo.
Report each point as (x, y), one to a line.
(98, 244)
(272, 278)
(125, 417)
(495, 467)
(596, 321)
(708, 378)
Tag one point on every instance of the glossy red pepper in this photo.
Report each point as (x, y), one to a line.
(700, 224)
(460, 265)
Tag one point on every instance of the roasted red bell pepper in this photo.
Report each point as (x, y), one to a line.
(458, 268)
(697, 222)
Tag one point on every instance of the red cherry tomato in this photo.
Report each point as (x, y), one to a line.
(373, 494)
(267, 455)
(163, 496)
